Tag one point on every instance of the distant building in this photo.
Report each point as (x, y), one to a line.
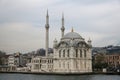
(99, 58)
(4, 60)
(26, 59)
(14, 61)
(11, 60)
(107, 57)
(4, 63)
(11, 63)
(42, 64)
(113, 60)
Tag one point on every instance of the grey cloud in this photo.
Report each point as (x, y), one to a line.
(22, 22)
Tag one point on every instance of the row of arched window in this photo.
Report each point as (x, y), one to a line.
(78, 53)
(60, 53)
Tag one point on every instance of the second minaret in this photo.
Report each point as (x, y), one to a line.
(47, 33)
(62, 28)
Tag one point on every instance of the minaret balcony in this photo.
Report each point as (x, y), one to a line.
(47, 26)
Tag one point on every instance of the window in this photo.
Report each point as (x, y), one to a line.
(68, 65)
(40, 66)
(68, 55)
(59, 64)
(84, 53)
(76, 65)
(63, 53)
(59, 53)
(80, 53)
(85, 64)
(63, 64)
(52, 61)
(36, 66)
(76, 52)
(48, 61)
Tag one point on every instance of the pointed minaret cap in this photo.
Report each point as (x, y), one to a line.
(62, 15)
(89, 39)
(47, 12)
(47, 20)
(72, 30)
(62, 20)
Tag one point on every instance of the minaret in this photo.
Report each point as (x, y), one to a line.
(89, 42)
(72, 30)
(55, 43)
(62, 28)
(47, 33)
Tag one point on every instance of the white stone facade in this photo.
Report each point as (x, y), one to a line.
(72, 54)
(42, 64)
(11, 60)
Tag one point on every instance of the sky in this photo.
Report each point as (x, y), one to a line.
(22, 22)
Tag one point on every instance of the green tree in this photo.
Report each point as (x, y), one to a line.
(99, 62)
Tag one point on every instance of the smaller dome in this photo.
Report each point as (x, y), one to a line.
(72, 35)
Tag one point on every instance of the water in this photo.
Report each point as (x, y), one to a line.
(4, 76)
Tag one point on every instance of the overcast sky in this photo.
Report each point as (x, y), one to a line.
(22, 22)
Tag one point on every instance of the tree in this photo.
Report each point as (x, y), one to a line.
(99, 61)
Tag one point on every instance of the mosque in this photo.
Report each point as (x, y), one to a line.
(72, 54)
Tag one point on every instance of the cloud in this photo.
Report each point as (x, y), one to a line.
(24, 37)
(20, 37)
(22, 22)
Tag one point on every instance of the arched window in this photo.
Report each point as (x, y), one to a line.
(80, 53)
(76, 65)
(84, 53)
(59, 64)
(68, 65)
(76, 52)
(68, 53)
(63, 53)
(48, 60)
(63, 64)
(85, 64)
(40, 66)
(59, 53)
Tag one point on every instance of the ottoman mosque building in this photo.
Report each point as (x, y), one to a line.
(70, 55)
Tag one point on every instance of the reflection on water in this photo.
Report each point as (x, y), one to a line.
(57, 77)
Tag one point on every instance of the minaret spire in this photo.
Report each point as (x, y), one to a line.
(47, 18)
(47, 33)
(62, 28)
(62, 20)
(89, 42)
(72, 30)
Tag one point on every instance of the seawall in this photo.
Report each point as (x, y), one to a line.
(54, 73)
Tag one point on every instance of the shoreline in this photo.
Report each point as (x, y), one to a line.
(55, 73)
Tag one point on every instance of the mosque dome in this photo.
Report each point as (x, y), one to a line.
(72, 35)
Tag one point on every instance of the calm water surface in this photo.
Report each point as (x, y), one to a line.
(53, 77)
